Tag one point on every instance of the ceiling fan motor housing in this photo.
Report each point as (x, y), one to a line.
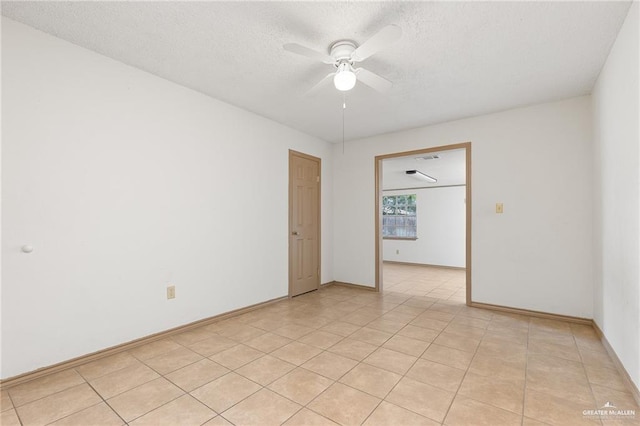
(342, 50)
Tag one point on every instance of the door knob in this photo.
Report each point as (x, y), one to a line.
(295, 233)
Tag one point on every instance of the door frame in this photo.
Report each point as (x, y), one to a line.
(293, 153)
(378, 203)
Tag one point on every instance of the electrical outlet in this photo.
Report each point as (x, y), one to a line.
(499, 208)
(171, 292)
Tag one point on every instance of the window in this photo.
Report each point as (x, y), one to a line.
(399, 217)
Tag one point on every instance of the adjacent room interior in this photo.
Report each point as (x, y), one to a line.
(424, 224)
(154, 227)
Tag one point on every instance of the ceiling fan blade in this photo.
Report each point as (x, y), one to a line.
(310, 53)
(315, 89)
(374, 81)
(384, 37)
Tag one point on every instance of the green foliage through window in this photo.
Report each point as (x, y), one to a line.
(399, 216)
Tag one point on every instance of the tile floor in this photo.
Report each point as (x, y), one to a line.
(415, 355)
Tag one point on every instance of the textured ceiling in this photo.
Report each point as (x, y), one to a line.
(454, 60)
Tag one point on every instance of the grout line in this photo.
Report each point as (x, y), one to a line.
(13, 407)
(106, 403)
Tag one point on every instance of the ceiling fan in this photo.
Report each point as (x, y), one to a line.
(343, 54)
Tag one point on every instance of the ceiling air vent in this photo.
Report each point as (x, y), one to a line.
(428, 157)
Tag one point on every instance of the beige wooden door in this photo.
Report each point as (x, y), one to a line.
(304, 223)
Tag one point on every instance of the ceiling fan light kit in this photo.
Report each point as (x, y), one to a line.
(345, 77)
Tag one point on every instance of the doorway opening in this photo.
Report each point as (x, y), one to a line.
(420, 237)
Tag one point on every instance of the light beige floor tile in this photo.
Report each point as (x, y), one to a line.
(502, 349)
(192, 336)
(340, 328)
(555, 411)
(104, 366)
(430, 323)
(371, 336)
(99, 414)
(391, 360)
(138, 401)
(606, 377)
(5, 401)
(354, 349)
(47, 385)
(358, 318)
(531, 422)
(387, 325)
(556, 366)
(344, 405)
(268, 342)
(406, 345)
(218, 421)
(507, 394)
(236, 356)
(436, 374)
(153, 349)
(561, 388)
(293, 331)
(307, 417)
(372, 380)
(419, 302)
(225, 391)
(183, 411)
(475, 312)
(471, 322)
(421, 398)
(623, 400)
(296, 353)
(314, 321)
(58, 405)
(407, 309)
(389, 414)
(197, 374)
(419, 333)
(597, 358)
(212, 345)
(546, 347)
(496, 367)
(549, 325)
(321, 339)
(172, 361)
(9, 418)
(120, 381)
(465, 411)
(301, 385)
(244, 333)
(561, 385)
(265, 370)
(456, 341)
(506, 335)
(437, 315)
(262, 408)
(330, 365)
(448, 356)
(266, 322)
(398, 317)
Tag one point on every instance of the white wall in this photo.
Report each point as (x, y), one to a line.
(440, 216)
(617, 199)
(537, 161)
(124, 182)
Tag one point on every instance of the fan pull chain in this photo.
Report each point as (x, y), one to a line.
(344, 106)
